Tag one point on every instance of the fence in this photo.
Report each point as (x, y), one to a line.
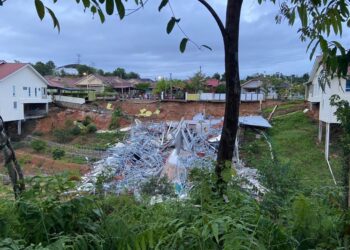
(73, 150)
(68, 99)
(217, 97)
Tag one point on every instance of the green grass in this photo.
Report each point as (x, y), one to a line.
(294, 142)
(283, 107)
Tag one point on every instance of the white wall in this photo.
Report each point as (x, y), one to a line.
(25, 77)
(69, 99)
(317, 95)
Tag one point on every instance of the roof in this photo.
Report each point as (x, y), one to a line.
(89, 78)
(63, 82)
(213, 82)
(252, 84)
(254, 121)
(315, 67)
(7, 69)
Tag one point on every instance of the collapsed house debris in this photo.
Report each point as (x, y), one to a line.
(158, 149)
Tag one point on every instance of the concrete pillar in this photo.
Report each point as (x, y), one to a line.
(186, 96)
(19, 127)
(320, 126)
(327, 140)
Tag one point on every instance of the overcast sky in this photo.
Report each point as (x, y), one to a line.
(139, 43)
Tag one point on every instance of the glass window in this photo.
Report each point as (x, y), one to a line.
(15, 105)
(36, 93)
(29, 92)
(347, 85)
(25, 88)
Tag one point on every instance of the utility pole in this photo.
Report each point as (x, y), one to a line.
(171, 85)
(78, 58)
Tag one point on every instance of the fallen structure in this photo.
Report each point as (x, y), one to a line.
(165, 148)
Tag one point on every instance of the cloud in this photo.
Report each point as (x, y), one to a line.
(139, 43)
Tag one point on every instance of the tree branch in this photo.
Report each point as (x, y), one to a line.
(216, 17)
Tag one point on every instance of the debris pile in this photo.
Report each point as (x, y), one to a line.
(163, 149)
(155, 149)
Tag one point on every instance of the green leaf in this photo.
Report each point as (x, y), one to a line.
(302, 15)
(120, 8)
(40, 8)
(183, 45)
(102, 16)
(86, 3)
(54, 19)
(163, 4)
(93, 9)
(215, 229)
(323, 44)
(171, 24)
(207, 47)
(109, 7)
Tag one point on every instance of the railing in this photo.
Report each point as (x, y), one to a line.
(219, 97)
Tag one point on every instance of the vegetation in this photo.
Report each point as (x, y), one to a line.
(58, 153)
(45, 68)
(143, 87)
(38, 145)
(116, 115)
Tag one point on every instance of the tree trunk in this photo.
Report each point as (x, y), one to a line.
(233, 88)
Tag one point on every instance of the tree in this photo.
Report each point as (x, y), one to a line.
(161, 86)
(319, 21)
(196, 82)
(45, 68)
(132, 75)
(143, 87)
(216, 76)
(85, 70)
(221, 88)
(120, 72)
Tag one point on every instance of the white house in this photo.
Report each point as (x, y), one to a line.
(23, 93)
(319, 99)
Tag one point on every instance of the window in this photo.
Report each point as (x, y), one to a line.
(347, 85)
(36, 93)
(15, 105)
(29, 93)
(25, 88)
(13, 90)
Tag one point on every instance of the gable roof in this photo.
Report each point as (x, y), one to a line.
(6, 69)
(213, 82)
(252, 84)
(62, 82)
(91, 77)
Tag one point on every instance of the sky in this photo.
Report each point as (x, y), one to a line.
(140, 43)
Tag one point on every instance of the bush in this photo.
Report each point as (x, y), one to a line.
(76, 130)
(87, 120)
(117, 114)
(158, 186)
(38, 145)
(58, 153)
(91, 128)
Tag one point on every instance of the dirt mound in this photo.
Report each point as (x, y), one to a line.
(57, 118)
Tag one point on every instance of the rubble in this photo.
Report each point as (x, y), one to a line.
(157, 149)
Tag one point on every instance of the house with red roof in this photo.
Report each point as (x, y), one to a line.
(212, 84)
(23, 93)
